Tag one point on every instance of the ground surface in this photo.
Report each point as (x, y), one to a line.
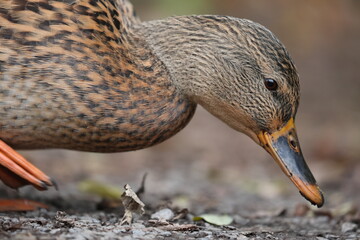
(76, 216)
(209, 168)
(98, 225)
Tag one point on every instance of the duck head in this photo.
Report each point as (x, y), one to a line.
(241, 73)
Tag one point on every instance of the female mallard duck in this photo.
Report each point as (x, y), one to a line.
(88, 75)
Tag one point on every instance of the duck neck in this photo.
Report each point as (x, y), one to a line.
(189, 47)
(203, 55)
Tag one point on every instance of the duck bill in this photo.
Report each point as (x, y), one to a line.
(284, 147)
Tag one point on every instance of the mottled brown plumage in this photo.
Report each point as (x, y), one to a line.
(76, 77)
(88, 75)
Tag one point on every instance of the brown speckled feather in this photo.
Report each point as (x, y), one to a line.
(73, 76)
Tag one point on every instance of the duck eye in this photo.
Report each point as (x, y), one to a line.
(270, 84)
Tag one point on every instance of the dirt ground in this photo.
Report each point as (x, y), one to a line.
(265, 208)
(209, 168)
(100, 225)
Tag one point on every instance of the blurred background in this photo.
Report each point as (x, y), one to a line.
(210, 165)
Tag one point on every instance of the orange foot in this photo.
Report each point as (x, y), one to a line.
(16, 171)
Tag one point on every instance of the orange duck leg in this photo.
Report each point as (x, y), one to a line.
(16, 171)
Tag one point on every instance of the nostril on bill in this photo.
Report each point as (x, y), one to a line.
(293, 144)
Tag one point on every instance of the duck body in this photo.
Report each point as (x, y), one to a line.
(71, 79)
(88, 75)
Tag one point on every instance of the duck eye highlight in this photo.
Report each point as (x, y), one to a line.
(271, 84)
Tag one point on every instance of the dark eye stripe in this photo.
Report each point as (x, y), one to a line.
(271, 84)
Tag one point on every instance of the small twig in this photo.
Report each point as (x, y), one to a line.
(141, 190)
(177, 227)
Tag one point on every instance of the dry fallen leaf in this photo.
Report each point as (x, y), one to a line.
(216, 219)
(7, 205)
(99, 189)
(268, 213)
(132, 204)
(347, 208)
(181, 201)
(181, 214)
